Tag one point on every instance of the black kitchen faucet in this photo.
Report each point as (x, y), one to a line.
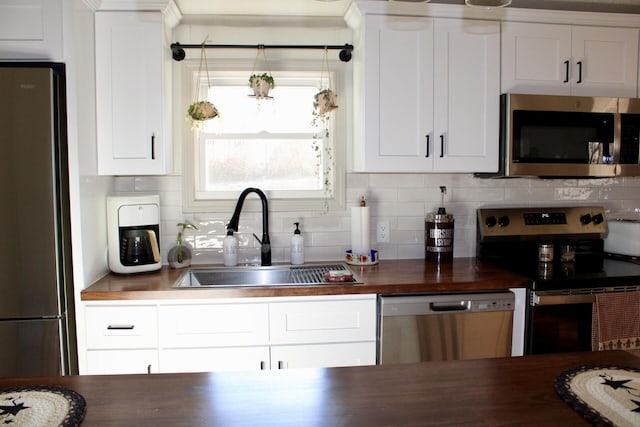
(265, 242)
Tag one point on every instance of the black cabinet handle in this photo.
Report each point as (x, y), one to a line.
(280, 364)
(566, 71)
(153, 146)
(579, 72)
(427, 136)
(148, 369)
(120, 327)
(442, 145)
(262, 365)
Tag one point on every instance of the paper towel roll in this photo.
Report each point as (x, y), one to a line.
(360, 240)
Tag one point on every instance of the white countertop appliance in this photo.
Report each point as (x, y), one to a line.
(133, 233)
(623, 238)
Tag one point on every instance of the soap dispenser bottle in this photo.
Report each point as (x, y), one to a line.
(230, 249)
(297, 246)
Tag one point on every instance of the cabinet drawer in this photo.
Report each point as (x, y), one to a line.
(121, 327)
(213, 325)
(322, 321)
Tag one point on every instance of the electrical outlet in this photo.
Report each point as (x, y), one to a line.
(382, 232)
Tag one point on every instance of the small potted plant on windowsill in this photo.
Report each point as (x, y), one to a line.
(179, 256)
(261, 85)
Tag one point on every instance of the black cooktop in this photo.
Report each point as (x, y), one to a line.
(565, 276)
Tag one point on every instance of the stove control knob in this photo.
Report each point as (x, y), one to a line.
(585, 219)
(598, 219)
(503, 221)
(491, 221)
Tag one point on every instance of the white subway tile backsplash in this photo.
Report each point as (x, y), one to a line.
(401, 199)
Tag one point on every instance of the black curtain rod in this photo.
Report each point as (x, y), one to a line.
(177, 49)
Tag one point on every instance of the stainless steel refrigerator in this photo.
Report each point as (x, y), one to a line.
(37, 326)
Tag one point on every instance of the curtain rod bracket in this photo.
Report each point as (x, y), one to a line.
(178, 53)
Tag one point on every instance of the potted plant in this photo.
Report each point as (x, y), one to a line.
(200, 111)
(261, 85)
(179, 256)
(325, 101)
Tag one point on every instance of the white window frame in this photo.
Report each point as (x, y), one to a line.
(336, 201)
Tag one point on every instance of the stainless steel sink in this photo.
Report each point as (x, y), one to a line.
(284, 275)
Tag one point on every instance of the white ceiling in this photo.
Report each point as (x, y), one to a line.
(339, 7)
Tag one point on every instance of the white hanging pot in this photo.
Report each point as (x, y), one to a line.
(261, 85)
(325, 101)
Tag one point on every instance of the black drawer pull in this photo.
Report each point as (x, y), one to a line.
(120, 327)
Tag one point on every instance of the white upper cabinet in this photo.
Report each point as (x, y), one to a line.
(132, 73)
(427, 95)
(569, 60)
(31, 30)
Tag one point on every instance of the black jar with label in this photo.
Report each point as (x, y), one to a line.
(438, 236)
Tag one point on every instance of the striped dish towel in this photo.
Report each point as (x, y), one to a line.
(616, 322)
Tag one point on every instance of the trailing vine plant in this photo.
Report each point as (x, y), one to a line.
(324, 102)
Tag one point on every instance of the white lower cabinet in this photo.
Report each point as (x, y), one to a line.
(214, 359)
(323, 355)
(109, 362)
(121, 339)
(231, 334)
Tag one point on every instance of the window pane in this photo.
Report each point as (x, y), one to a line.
(271, 164)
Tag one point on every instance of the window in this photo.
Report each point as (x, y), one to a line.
(270, 144)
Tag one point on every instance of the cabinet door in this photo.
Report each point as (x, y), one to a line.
(129, 93)
(536, 58)
(605, 61)
(214, 359)
(467, 94)
(110, 362)
(213, 325)
(322, 321)
(323, 355)
(396, 100)
(31, 29)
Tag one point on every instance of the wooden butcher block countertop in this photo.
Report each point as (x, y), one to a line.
(387, 277)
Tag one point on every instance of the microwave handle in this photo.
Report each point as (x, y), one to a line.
(566, 72)
(579, 72)
(441, 145)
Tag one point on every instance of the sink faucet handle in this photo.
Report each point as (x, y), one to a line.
(257, 238)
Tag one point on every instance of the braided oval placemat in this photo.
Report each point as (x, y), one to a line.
(606, 395)
(36, 406)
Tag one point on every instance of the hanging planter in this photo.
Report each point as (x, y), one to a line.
(201, 111)
(261, 83)
(325, 101)
(179, 256)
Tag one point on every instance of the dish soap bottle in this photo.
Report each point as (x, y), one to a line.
(297, 246)
(230, 249)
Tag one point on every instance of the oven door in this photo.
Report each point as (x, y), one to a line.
(559, 323)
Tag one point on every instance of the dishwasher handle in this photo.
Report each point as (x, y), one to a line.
(450, 306)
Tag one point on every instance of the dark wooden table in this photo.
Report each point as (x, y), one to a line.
(490, 392)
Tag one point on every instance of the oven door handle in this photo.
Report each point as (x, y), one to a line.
(537, 299)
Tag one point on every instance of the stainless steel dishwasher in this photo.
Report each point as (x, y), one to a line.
(420, 328)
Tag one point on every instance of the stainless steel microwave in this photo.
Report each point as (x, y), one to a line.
(569, 136)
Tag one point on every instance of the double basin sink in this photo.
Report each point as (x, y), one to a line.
(284, 275)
